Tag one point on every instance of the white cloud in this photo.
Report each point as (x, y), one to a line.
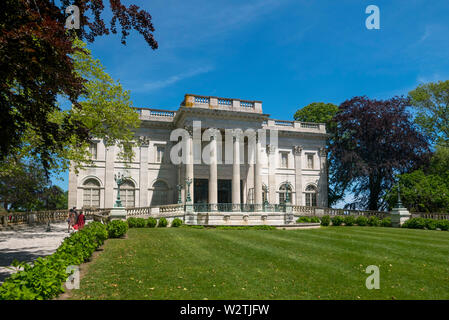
(159, 84)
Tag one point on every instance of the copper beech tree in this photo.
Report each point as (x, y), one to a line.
(374, 140)
(36, 66)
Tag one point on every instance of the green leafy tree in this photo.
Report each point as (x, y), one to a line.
(21, 184)
(53, 198)
(425, 189)
(321, 112)
(432, 103)
(36, 66)
(104, 112)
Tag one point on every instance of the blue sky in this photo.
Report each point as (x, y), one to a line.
(287, 53)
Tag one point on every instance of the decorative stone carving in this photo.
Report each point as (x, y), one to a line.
(144, 141)
(297, 150)
(270, 148)
(189, 130)
(322, 152)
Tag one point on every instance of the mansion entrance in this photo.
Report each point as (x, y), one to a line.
(224, 188)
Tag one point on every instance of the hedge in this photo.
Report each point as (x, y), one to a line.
(429, 224)
(44, 278)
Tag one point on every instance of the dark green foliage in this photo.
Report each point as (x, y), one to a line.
(429, 224)
(315, 220)
(151, 222)
(337, 221)
(373, 221)
(415, 223)
(117, 228)
(176, 222)
(325, 220)
(386, 222)
(361, 221)
(443, 225)
(136, 222)
(162, 223)
(349, 221)
(303, 220)
(427, 188)
(44, 278)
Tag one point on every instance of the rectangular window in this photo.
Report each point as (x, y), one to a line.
(310, 161)
(160, 154)
(93, 150)
(284, 159)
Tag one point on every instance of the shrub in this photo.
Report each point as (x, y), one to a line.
(131, 222)
(151, 222)
(176, 222)
(303, 220)
(361, 221)
(349, 221)
(373, 221)
(117, 228)
(136, 222)
(337, 221)
(315, 220)
(431, 224)
(386, 222)
(44, 278)
(443, 225)
(325, 220)
(415, 223)
(162, 223)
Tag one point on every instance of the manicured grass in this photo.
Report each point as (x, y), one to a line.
(326, 263)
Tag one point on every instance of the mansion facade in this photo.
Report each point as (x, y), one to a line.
(290, 163)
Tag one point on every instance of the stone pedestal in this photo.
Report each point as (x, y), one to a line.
(289, 217)
(190, 216)
(399, 216)
(32, 219)
(117, 213)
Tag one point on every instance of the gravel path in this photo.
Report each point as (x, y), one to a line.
(29, 243)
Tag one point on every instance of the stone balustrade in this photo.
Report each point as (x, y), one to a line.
(156, 114)
(295, 125)
(192, 100)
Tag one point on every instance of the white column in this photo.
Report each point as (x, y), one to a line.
(236, 174)
(297, 150)
(271, 153)
(322, 188)
(109, 178)
(213, 180)
(73, 186)
(143, 174)
(189, 165)
(258, 178)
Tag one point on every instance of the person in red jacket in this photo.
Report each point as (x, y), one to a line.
(81, 220)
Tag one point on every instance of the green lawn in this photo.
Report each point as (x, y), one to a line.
(326, 263)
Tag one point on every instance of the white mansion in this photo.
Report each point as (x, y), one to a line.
(293, 163)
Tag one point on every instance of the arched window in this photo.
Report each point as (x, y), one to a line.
(127, 194)
(283, 193)
(91, 193)
(160, 192)
(311, 196)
